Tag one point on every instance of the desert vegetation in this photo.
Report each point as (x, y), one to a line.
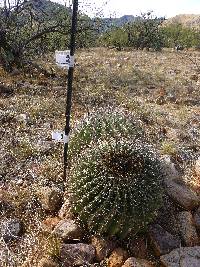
(132, 193)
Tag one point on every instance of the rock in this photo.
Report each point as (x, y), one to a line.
(6, 90)
(68, 230)
(65, 211)
(194, 77)
(160, 100)
(184, 257)
(11, 229)
(134, 262)
(50, 223)
(138, 248)
(117, 258)
(171, 98)
(44, 262)
(6, 116)
(182, 194)
(76, 254)
(163, 242)
(103, 247)
(22, 118)
(197, 219)
(169, 168)
(187, 229)
(5, 207)
(50, 198)
(15, 72)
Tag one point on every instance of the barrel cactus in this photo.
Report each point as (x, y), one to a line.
(103, 124)
(116, 186)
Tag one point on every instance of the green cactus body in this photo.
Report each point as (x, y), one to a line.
(116, 186)
(103, 124)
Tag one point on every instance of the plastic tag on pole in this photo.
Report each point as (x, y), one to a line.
(60, 137)
(63, 59)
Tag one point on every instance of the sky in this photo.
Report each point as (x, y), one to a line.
(117, 8)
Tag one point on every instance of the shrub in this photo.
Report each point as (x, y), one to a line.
(103, 124)
(116, 186)
(143, 32)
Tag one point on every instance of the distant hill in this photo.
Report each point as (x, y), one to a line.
(187, 20)
(119, 21)
(47, 8)
(45, 4)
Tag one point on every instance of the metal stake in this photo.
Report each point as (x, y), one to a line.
(70, 82)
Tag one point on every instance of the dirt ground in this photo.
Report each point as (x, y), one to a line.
(161, 88)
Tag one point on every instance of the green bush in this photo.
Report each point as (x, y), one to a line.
(116, 37)
(103, 124)
(177, 34)
(143, 33)
(116, 186)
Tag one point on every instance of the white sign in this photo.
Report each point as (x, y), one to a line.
(60, 137)
(63, 59)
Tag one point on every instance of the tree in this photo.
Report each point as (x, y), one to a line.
(29, 28)
(177, 34)
(23, 26)
(115, 37)
(145, 32)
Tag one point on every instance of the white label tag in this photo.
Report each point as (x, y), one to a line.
(63, 59)
(60, 137)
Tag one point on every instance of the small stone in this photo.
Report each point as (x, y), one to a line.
(68, 230)
(187, 229)
(194, 77)
(103, 247)
(163, 242)
(20, 182)
(134, 262)
(22, 118)
(197, 219)
(5, 207)
(171, 98)
(117, 258)
(182, 194)
(169, 168)
(6, 90)
(50, 198)
(184, 257)
(47, 263)
(160, 100)
(65, 211)
(138, 248)
(76, 254)
(50, 223)
(15, 72)
(11, 229)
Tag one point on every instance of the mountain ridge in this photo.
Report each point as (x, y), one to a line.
(48, 7)
(187, 20)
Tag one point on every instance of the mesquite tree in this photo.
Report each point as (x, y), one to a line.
(28, 28)
(23, 24)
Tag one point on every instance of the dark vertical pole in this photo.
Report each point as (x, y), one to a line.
(70, 82)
